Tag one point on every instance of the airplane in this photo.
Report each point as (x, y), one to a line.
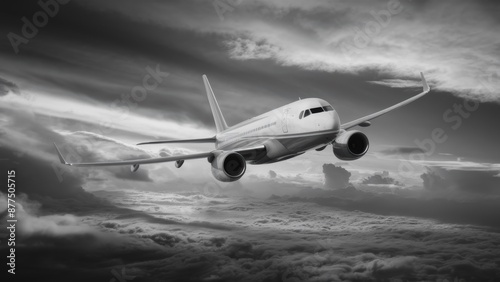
(278, 135)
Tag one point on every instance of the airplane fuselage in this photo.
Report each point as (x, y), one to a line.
(289, 130)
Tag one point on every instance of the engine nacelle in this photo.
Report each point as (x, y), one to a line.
(350, 145)
(228, 166)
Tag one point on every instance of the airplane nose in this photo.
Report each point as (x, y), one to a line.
(334, 122)
(329, 122)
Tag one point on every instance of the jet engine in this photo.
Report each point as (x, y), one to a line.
(228, 166)
(350, 145)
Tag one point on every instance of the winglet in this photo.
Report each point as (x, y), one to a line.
(361, 121)
(424, 83)
(61, 158)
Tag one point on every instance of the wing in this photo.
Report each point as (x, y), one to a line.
(244, 151)
(364, 121)
(199, 140)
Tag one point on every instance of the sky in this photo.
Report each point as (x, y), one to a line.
(71, 72)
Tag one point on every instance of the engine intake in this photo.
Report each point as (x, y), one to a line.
(228, 166)
(351, 145)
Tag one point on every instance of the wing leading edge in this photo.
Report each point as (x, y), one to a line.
(365, 119)
(244, 151)
(199, 140)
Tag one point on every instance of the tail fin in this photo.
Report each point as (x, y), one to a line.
(220, 123)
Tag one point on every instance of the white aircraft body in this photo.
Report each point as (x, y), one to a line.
(277, 135)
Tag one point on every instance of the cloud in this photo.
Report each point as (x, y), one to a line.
(245, 49)
(7, 86)
(398, 83)
(433, 181)
(125, 173)
(312, 44)
(46, 182)
(32, 222)
(380, 178)
(336, 177)
(398, 151)
(163, 239)
(462, 180)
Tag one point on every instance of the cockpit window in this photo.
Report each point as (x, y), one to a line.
(328, 108)
(316, 110)
(307, 112)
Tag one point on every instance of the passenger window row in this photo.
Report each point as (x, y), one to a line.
(307, 112)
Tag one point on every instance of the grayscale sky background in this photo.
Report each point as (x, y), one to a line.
(68, 83)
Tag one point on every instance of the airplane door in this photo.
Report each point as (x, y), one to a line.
(284, 121)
